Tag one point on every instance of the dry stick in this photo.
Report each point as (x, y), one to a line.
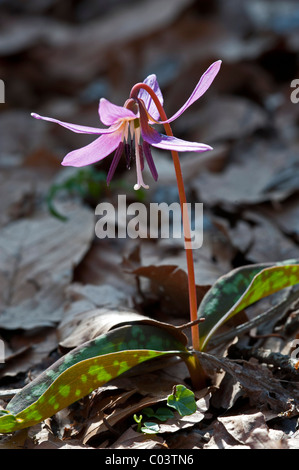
(283, 363)
(190, 324)
(193, 364)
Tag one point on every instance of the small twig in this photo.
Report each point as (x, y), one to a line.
(269, 335)
(280, 361)
(108, 426)
(190, 324)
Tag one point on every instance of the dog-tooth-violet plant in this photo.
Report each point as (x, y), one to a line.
(130, 134)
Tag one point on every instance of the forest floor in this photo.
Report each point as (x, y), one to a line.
(61, 285)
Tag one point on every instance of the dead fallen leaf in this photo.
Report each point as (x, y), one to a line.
(224, 119)
(221, 439)
(17, 145)
(131, 439)
(169, 282)
(104, 421)
(257, 382)
(40, 437)
(251, 430)
(37, 260)
(240, 183)
(28, 351)
(90, 311)
(285, 216)
(13, 441)
(268, 242)
(89, 42)
(103, 265)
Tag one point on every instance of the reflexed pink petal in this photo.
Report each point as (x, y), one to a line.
(75, 127)
(202, 86)
(111, 113)
(173, 143)
(166, 142)
(151, 81)
(94, 152)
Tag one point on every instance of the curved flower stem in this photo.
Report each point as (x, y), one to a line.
(185, 218)
(194, 364)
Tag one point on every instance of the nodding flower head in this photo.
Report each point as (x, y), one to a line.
(129, 132)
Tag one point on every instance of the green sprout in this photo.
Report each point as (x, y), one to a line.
(182, 399)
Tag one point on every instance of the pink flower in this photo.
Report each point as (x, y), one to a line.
(130, 132)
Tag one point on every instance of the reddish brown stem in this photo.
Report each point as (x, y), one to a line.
(185, 217)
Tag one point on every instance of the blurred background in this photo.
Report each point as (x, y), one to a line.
(59, 58)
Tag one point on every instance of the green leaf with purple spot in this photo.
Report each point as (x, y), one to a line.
(240, 288)
(87, 367)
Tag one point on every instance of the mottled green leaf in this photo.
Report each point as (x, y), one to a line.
(183, 400)
(87, 367)
(162, 413)
(240, 288)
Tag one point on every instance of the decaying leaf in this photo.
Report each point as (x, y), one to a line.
(37, 260)
(91, 310)
(257, 383)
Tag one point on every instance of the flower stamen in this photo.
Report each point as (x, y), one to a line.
(150, 161)
(141, 157)
(115, 162)
(128, 154)
(140, 183)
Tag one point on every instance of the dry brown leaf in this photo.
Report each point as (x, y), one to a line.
(250, 430)
(37, 260)
(258, 384)
(191, 165)
(240, 183)
(115, 410)
(13, 441)
(227, 393)
(92, 40)
(169, 282)
(40, 437)
(131, 439)
(19, 190)
(103, 265)
(92, 310)
(268, 242)
(221, 439)
(104, 422)
(28, 351)
(226, 118)
(285, 216)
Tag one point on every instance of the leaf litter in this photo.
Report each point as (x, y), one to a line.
(60, 286)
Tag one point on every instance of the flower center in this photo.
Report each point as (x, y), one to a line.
(139, 161)
(132, 137)
(133, 147)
